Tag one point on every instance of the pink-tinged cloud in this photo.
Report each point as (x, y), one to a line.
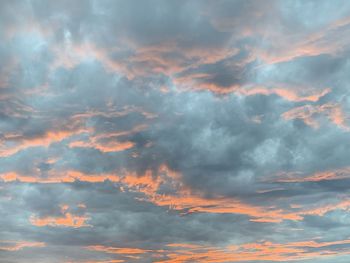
(67, 219)
(98, 261)
(181, 198)
(141, 60)
(16, 143)
(59, 177)
(330, 175)
(107, 142)
(112, 146)
(310, 115)
(321, 210)
(259, 251)
(118, 250)
(287, 93)
(329, 40)
(149, 184)
(19, 245)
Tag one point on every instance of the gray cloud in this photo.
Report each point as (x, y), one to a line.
(174, 129)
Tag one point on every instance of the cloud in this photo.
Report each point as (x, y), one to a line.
(19, 245)
(264, 250)
(307, 113)
(66, 220)
(184, 131)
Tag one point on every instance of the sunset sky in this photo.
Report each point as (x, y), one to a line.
(173, 131)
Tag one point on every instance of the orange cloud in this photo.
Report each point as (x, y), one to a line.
(98, 261)
(308, 114)
(181, 198)
(195, 203)
(66, 220)
(19, 245)
(117, 250)
(260, 251)
(148, 184)
(200, 81)
(108, 141)
(289, 93)
(323, 209)
(142, 60)
(16, 143)
(185, 199)
(60, 177)
(336, 174)
(106, 147)
(328, 40)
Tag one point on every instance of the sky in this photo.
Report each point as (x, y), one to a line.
(162, 131)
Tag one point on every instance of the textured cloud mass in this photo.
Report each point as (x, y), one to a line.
(174, 131)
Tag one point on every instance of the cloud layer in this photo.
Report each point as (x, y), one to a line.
(174, 131)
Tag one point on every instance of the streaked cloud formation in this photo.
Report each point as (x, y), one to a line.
(174, 131)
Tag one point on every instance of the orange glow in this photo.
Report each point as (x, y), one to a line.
(323, 209)
(98, 261)
(308, 114)
(117, 250)
(105, 148)
(337, 174)
(67, 220)
(17, 143)
(285, 93)
(64, 177)
(260, 251)
(19, 245)
(182, 198)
